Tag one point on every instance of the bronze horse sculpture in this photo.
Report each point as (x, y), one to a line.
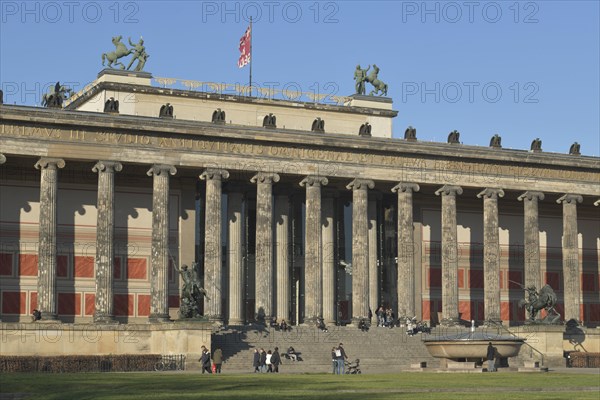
(544, 300)
(378, 85)
(120, 51)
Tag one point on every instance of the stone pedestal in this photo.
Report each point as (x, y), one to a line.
(105, 252)
(532, 238)
(235, 258)
(313, 290)
(570, 253)
(159, 269)
(491, 254)
(360, 248)
(450, 315)
(329, 275)
(283, 256)
(264, 245)
(406, 249)
(47, 297)
(213, 259)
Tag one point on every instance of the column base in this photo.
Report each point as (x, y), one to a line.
(105, 319)
(214, 319)
(329, 322)
(159, 318)
(356, 321)
(492, 323)
(235, 322)
(309, 321)
(47, 317)
(449, 322)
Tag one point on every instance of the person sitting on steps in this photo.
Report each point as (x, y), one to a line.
(321, 325)
(362, 325)
(291, 353)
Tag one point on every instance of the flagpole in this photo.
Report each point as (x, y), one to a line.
(251, 55)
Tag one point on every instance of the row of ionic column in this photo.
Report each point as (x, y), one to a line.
(491, 248)
(272, 246)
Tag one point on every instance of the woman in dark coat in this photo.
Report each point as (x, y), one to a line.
(205, 360)
(256, 361)
(275, 359)
(263, 360)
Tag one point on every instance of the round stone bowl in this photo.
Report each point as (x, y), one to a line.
(472, 345)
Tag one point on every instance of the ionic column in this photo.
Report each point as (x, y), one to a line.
(373, 268)
(105, 252)
(491, 254)
(406, 245)
(159, 269)
(532, 238)
(47, 248)
(264, 244)
(449, 255)
(360, 248)
(212, 244)
(235, 258)
(2, 161)
(283, 256)
(313, 291)
(570, 251)
(329, 280)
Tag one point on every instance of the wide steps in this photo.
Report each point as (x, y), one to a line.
(380, 349)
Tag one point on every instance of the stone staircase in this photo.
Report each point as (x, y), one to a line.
(379, 349)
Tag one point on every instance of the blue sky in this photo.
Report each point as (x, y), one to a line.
(522, 69)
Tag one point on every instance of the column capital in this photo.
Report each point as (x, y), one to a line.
(531, 195)
(570, 198)
(404, 187)
(449, 190)
(491, 193)
(213, 173)
(314, 180)
(265, 177)
(2, 158)
(49, 163)
(160, 169)
(361, 184)
(107, 166)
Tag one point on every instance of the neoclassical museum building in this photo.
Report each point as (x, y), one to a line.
(287, 209)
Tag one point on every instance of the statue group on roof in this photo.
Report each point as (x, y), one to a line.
(138, 50)
(361, 77)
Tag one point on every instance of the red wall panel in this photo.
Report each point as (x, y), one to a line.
(69, 303)
(137, 268)
(13, 302)
(143, 308)
(6, 264)
(28, 264)
(84, 267)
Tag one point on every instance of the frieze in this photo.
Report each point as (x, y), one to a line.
(411, 168)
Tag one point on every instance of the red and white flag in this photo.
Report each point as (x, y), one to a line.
(245, 48)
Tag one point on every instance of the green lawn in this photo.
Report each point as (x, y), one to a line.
(154, 385)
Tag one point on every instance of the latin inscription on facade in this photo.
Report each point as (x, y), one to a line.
(412, 168)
